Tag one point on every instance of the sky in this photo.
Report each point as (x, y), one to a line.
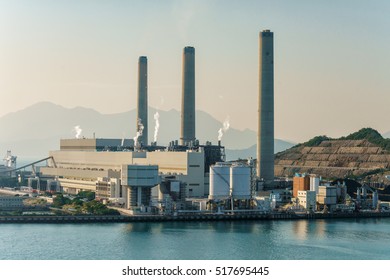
(332, 59)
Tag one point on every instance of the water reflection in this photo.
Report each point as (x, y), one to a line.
(300, 229)
(304, 239)
(248, 227)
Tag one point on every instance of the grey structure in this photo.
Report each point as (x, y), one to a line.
(188, 97)
(265, 132)
(142, 99)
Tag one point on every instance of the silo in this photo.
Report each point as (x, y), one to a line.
(219, 181)
(240, 178)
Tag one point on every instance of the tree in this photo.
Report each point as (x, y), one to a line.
(60, 201)
(86, 194)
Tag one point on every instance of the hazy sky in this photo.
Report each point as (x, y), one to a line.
(332, 58)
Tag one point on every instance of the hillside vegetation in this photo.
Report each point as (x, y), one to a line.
(369, 134)
(358, 155)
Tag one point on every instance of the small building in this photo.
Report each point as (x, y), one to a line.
(11, 202)
(301, 182)
(307, 199)
(263, 203)
(107, 188)
(327, 196)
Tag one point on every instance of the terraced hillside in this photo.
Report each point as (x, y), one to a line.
(337, 158)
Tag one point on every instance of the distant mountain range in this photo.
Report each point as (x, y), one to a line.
(386, 135)
(34, 131)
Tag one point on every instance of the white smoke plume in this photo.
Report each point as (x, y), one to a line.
(77, 129)
(156, 126)
(225, 127)
(139, 132)
(123, 139)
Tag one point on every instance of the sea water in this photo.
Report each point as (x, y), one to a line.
(347, 239)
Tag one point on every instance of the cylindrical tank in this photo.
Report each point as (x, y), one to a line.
(219, 181)
(240, 181)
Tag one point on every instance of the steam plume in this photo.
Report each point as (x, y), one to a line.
(77, 129)
(139, 132)
(223, 129)
(123, 139)
(156, 126)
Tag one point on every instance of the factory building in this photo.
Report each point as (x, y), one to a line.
(308, 200)
(10, 202)
(265, 132)
(10, 164)
(128, 170)
(82, 169)
(301, 182)
(327, 197)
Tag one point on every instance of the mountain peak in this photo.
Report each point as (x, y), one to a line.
(46, 120)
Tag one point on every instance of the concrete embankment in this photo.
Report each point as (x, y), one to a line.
(184, 218)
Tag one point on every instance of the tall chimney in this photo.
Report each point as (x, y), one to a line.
(188, 97)
(265, 132)
(142, 99)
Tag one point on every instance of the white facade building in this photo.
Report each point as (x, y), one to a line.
(78, 166)
(307, 199)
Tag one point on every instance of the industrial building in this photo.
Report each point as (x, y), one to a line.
(9, 166)
(11, 202)
(307, 199)
(127, 171)
(78, 168)
(301, 182)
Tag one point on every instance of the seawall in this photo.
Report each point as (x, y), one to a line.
(186, 218)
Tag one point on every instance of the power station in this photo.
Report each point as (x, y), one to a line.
(182, 174)
(186, 180)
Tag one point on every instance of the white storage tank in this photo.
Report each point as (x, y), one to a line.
(219, 181)
(240, 181)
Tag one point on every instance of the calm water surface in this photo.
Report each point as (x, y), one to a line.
(322, 239)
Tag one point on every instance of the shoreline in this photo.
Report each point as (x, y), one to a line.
(185, 218)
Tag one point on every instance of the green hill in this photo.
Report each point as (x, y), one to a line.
(360, 154)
